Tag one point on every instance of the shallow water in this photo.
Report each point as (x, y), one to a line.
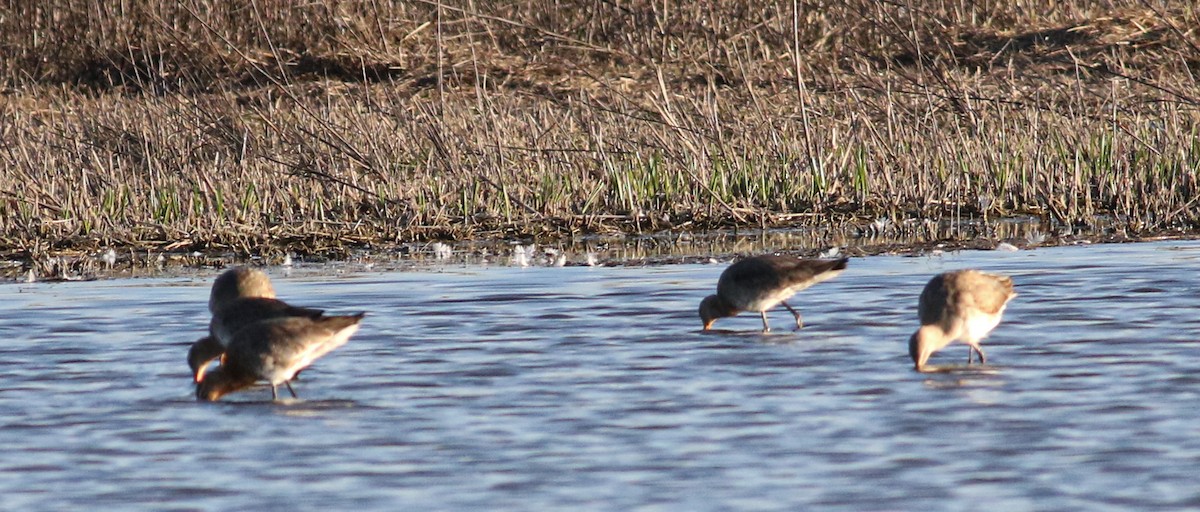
(496, 388)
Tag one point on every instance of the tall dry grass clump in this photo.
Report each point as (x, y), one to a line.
(320, 126)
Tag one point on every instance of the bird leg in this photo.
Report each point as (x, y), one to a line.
(274, 394)
(799, 322)
(977, 349)
(290, 390)
(766, 328)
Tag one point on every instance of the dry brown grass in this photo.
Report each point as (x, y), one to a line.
(282, 126)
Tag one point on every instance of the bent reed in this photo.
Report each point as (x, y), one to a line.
(312, 128)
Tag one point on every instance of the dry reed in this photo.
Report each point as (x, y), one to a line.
(277, 126)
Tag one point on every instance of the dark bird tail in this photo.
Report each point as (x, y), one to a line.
(340, 322)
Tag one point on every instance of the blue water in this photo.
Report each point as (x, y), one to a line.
(498, 388)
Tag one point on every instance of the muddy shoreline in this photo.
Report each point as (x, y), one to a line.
(663, 248)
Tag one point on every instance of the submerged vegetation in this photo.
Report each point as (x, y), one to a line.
(265, 127)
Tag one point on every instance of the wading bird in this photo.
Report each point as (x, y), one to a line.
(759, 283)
(274, 350)
(963, 305)
(240, 296)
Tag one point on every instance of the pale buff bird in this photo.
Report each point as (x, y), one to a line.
(274, 350)
(759, 283)
(963, 305)
(239, 297)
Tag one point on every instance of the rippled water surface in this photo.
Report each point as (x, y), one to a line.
(476, 388)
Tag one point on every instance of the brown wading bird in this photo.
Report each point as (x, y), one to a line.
(240, 296)
(274, 350)
(759, 283)
(960, 305)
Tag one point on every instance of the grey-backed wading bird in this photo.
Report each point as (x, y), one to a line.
(240, 296)
(759, 283)
(274, 350)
